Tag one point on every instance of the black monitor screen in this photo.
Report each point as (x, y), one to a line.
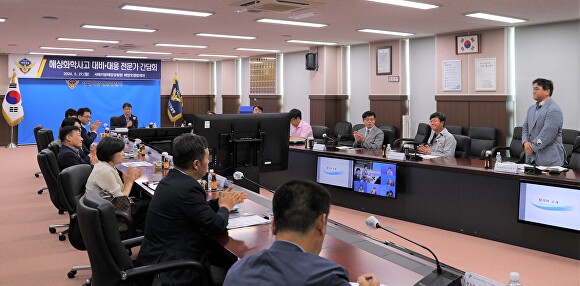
(555, 206)
(375, 178)
(334, 171)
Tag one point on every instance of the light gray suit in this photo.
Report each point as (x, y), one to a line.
(544, 130)
(373, 140)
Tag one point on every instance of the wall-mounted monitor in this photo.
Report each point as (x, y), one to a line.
(550, 205)
(334, 171)
(375, 178)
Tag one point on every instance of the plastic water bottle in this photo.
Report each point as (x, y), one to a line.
(514, 279)
(388, 150)
(498, 158)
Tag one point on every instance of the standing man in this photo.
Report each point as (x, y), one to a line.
(300, 216)
(441, 142)
(180, 219)
(127, 119)
(370, 136)
(84, 115)
(299, 127)
(542, 129)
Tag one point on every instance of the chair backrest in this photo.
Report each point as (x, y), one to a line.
(54, 146)
(357, 127)
(44, 137)
(454, 129)
(574, 162)
(568, 139)
(389, 132)
(516, 148)
(36, 128)
(482, 138)
(71, 184)
(162, 146)
(423, 133)
(319, 130)
(114, 122)
(463, 146)
(98, 226)
(49, 168)
(343, 128)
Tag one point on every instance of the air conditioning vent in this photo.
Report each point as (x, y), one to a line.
(279, 6)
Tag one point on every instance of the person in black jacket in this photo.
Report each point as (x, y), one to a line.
(70, 153)
(180, 218)
(127, 119)
(89, 136)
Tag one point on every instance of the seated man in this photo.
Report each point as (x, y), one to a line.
(441, 143)
(180, 219)
(300, 215)
(89, 136)
(70, 153)
(370, 136)
(299, 127)
(127, 120)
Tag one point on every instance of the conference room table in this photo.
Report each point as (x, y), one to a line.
(454, 194)
(359, 254)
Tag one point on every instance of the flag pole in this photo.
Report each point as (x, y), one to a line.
(11, 145)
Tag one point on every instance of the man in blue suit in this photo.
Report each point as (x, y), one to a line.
(542, 129)
(300, 216)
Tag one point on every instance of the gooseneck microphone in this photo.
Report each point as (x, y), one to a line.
(373, 223)
(240, 176)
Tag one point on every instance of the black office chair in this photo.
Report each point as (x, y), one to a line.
(43, 139)
(454, 129)
(569, 139)
(49, 168)
(348, 140)
(110, 262)
(55, 146)
(318, 131)
(114, 122)
(162, 146)
(574, 163)
(423, 133)
(463, 146)
(389, 131)
(516, 149)
(36, 128)
(343, 129)
(482, 139)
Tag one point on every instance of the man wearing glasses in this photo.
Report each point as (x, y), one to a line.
(441, 142)
(370, 136)
(84, 115)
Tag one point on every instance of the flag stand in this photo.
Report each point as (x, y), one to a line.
(11, 145)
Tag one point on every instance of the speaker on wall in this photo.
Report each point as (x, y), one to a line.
(311, 61)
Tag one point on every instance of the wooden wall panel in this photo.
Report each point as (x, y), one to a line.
(389, 109)
(5, 130)
(457, 113)
(327, 110)
(230, 103)
(271, 103)
(197, 104)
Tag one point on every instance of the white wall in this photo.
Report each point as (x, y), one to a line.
(359, 82)
(296, 84)
(423, 76)
(245, 95)
(549, 51)
(218, 85)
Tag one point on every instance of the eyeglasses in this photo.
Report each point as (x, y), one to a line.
(86, 116)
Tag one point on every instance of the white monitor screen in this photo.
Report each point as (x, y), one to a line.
(557, 206)
(334, 171)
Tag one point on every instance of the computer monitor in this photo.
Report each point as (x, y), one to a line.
(334, 171)
(550, 205)
(245, 140)
(375, 178)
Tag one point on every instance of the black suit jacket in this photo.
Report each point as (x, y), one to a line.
(122, 122)
(88, 139)
(68, 156)
(178, 223)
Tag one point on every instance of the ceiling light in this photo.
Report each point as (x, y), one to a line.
(126, 57)
(67, 49)
(2, 20)
(118, 28)
(225, 36)
(165, 11)
(492, 17)
(181, 46)
(51, 54)
(89, 40)
(148, 53)
(409, 4)
(257, 50)
(216, 56)
(293, 23)
(402, 34)
(190, 59)
(312, 42)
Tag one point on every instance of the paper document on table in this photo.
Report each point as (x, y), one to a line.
(151, 185)
(243, 221)
(555, 168)
(429, 156)
(344, 148)
(137, 164)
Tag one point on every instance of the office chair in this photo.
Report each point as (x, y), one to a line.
(422, 136)
(482, 139)
(454, 129)
(55, 146)
(389, 131)
(516, 149)
(49, 167)
(43, 138)
(36, 128)
(463, 146)
(344, 130)
(110, 262)
(569, 139)
(574, 163)
(348, 140)
(317, 131)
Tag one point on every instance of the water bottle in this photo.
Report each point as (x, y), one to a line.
(498, 158)
(388, 150)
(514, 279)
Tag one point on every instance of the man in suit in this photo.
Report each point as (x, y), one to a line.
(84, 115)
(180, 219)
(370, 136)
(127, 119)
(441, 142)
(300, 216)
(542, 129)
(70, 153)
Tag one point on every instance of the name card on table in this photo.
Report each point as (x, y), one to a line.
(319, 147)
(396, 156)
(508, 167)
